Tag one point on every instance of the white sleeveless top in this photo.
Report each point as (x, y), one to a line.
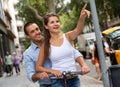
(62, 57)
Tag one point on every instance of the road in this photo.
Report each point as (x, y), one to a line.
(88, 80)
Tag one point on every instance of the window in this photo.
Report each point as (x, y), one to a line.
(115, 34)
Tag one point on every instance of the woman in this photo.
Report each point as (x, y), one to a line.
(95, 58)
(16, 63)
(58, 47)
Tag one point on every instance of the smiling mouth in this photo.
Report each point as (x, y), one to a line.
(56, 28)
(39, 35)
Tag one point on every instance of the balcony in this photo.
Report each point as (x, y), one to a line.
(7, 14)
(10, 34)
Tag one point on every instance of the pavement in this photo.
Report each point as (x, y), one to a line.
(88, 80)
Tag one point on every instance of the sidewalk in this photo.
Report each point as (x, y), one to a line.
(87, 81)
(90, 80)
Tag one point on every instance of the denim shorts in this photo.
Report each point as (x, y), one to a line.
(73, 82)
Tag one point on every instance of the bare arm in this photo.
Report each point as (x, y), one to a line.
(41, 59)
(93, 52)
(39, 65)
(38, 76)
(107, 50)
(84, 66)
(80, 25)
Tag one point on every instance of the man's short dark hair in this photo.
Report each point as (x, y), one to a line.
(25, 27)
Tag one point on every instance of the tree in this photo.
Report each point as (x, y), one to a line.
(107, 10)
(34, 10)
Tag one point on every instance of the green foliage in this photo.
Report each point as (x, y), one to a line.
(68, 21)
(69, 16)
(115, 4)
(107, 9)
(39, 5)
(27, 43)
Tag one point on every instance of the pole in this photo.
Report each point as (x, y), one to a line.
(99, 45)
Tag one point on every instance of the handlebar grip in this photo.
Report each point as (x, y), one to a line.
(76, 72)
(52, 76)
(66, 73)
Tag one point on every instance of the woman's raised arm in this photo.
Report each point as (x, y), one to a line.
(80, 25)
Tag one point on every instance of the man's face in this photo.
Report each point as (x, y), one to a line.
(34, 33)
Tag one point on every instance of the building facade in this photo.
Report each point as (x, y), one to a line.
(10, 29)
(6, 32)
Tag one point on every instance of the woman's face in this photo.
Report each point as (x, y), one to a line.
(53, 24)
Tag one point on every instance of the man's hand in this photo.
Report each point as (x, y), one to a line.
(40, 75)
(43, 75)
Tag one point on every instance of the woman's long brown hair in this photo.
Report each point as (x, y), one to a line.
(47, 34)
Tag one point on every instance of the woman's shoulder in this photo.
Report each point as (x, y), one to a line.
(66, 35)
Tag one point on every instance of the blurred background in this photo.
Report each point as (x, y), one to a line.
(15, 13)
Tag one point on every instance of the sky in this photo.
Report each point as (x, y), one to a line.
(15, 1)
(66, 1)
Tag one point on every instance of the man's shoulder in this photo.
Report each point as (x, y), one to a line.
(27, 54)
(31, 48)
(28, 50)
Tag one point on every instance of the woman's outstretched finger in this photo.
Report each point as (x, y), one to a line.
(84, 7)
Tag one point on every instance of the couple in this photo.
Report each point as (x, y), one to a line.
(54, 47)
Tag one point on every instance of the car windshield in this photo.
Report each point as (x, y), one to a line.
(115, 34)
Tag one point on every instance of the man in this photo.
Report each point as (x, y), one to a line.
(33, 32)
(9, 64)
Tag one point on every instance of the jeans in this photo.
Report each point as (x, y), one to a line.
(45, 85)
(73, 82)
(17, 68)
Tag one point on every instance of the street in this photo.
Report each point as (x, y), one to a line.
(88, 80)
(16, 80)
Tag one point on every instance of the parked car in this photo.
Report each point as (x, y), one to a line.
(112, 36)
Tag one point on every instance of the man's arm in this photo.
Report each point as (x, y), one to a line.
(30, 67)
(76, 53)
(40, 75)
(32, 75)
(79, 58)
(106, 48)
